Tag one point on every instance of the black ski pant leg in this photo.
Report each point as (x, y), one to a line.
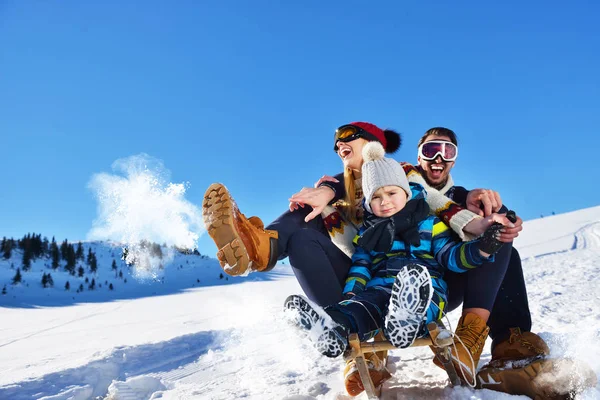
(483, 282)
(319, 265)
(364, 313)
(511, 308)
(478, 288)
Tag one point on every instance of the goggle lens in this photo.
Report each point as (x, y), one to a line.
(430, 150)
(347, 133)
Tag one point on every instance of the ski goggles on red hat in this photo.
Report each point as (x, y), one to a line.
(348, 133)
(430, 150)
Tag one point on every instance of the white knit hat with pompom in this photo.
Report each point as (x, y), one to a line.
(378, 171)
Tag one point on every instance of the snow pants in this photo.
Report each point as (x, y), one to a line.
(321, 269)
(365, 312)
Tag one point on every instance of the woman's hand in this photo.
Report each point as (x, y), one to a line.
(326, 178)
(317, 198)
(507, 234)
(489, 199)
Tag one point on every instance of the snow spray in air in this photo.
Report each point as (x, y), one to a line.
(140, 209)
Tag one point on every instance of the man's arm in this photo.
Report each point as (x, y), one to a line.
(443, 207)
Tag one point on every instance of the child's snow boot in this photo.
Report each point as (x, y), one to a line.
(329, 337)
(244, 245)
(411, 295)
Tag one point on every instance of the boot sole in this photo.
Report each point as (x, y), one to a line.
(411, 294)
(218, 209)
(522, 381)
(326, 340)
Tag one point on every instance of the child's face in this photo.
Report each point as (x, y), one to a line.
(388, 200)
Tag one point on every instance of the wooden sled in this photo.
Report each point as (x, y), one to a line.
(441, 343)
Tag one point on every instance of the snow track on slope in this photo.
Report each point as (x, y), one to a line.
(588, 237)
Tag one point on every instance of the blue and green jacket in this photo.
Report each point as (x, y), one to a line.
(439, 251)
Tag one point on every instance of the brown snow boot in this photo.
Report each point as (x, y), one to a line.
(377, 371)
(520, 345)
(469, 340)
(244, 245)
(520, 366)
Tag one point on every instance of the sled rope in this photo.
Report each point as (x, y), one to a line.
(366, 309)
(472, 385)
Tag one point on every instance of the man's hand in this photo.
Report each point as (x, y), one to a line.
(510, 230)
(508, 234)
(317, 198)
(489, 199)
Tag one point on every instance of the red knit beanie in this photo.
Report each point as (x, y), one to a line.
(390, 139)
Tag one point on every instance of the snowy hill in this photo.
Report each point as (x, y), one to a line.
(230, 341)
(180, 272)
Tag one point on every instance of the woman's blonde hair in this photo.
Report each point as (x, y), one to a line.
(348, 203)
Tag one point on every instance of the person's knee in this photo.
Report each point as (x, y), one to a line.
(301, 246)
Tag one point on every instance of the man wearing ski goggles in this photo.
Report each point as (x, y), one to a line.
(430, 150)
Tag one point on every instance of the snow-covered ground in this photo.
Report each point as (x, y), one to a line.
(193, 338)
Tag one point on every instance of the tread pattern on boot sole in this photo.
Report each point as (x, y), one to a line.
(217, 210)
(411, 294)
(326, 340)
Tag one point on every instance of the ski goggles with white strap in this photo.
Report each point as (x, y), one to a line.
(430, 150)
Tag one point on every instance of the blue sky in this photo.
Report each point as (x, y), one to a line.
(250, 93)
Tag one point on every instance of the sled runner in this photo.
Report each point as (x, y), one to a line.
(439, 338)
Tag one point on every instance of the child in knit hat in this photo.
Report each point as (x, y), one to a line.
(395, 284)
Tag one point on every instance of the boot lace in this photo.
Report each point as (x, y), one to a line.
(516, 336)
(470, 337)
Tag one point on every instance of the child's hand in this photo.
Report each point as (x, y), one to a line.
(490, 241)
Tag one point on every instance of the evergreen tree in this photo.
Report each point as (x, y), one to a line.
(93, 264)
(80, 271)
(4, 289)
(79, 252)
(50, 281)
(45, 246)
(26, 259)
(67, 286)
(80, 287)
(121, 274)
(92, 285)
(156, 251)
(6, 248)
(64, 248)
(110, 287)
(114, 265)
(71, 259)
(90, 255)
(17, 278)
(36, 245)
(54, 254)
(44, 280)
